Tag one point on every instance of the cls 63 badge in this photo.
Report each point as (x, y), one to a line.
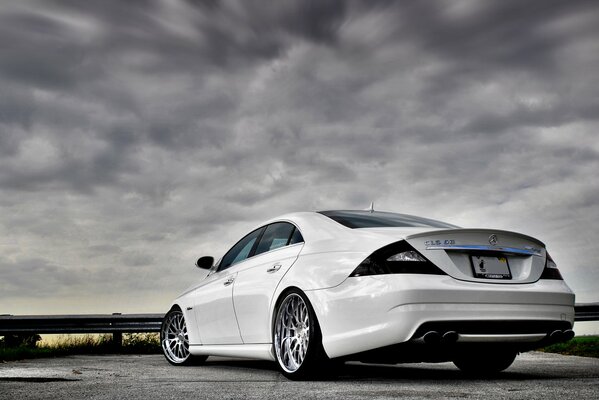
(439, 242)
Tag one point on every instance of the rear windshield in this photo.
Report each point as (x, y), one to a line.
(379, 219)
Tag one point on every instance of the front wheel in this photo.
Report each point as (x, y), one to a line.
(485, 363)
(298, 339)
(175, 341)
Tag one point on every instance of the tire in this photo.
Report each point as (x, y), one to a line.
(175, 341)
(297, 339)
(484, 363)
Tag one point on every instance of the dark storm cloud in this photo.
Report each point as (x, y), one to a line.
(507, 34)
(41, 277)
(138, 135)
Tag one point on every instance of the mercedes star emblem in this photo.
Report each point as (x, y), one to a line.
(493, 239)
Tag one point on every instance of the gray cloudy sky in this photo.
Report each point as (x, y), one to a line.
(136, 136)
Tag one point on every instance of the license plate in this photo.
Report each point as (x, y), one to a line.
(490, 267)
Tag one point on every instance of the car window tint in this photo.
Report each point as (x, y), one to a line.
(296, 237)
(241, 250)
(245, 252)
(379, 219)
(276, 235)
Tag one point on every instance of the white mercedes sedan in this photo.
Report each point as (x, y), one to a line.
(312, 290)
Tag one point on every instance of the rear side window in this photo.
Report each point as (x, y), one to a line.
(296, 237)
(276, 235)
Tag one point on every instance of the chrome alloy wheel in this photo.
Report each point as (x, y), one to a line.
(292, 333)
(175, 342)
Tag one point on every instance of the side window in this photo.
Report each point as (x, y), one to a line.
(276, 235)
(241, 250)
(296, 237)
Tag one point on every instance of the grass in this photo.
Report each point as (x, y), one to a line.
(585, 346)
(133, 343)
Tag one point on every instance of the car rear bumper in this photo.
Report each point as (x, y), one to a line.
(371, 312)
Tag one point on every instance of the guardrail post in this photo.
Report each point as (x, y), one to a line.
(117, 337)
(117, 340)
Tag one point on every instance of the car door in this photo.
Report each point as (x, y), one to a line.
(258, 277)
(213, 302)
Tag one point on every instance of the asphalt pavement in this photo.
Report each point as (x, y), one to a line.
(532, 376)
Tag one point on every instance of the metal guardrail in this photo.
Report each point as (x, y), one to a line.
(587, 312)
(140, 323)
(91, 323)
(116, 324)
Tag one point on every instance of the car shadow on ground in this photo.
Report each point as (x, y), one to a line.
(400, 372)
(355, 371)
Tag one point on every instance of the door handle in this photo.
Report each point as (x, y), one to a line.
(274, 268)
(229, 281)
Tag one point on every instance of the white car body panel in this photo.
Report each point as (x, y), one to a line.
(369, 312)
(254, 351)
(358, 314)
(213, 306)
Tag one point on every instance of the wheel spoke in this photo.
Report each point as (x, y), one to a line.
(286, 339)
(288, 318)
(286, 323)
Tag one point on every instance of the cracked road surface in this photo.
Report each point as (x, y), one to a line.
(532, 376)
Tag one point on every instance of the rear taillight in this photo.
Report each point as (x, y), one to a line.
(551, 271)
(396, 258)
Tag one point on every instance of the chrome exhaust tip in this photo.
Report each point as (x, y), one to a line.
(568, 335)
(450, 337)
(556, 336)
(431, 337)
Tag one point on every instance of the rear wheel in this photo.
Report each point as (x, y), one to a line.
(298, 340)
(175, 341)
(485, 363)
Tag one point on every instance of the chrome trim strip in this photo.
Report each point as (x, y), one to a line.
(513, 250)
(520, 338)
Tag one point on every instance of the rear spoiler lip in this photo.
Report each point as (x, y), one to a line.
(528, 251)
(475, 230)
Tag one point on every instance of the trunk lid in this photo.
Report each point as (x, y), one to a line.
(483, 255)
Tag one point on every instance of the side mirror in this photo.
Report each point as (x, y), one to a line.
(205, 262)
